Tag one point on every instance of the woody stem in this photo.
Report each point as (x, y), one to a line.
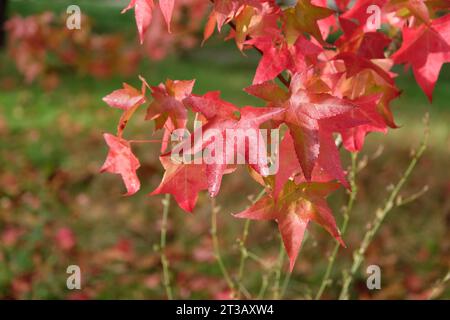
(162, 247)
(381, 213)
(215, 241)
(354, 190)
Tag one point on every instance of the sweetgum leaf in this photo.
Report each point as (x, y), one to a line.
(121, 160)
(305, 115)
(303, 18)
(426, 49)
(223, 117)
(183, 181)
(143, 13)
(127, 99)
(168, 103)
(167, 10)
(295, 207)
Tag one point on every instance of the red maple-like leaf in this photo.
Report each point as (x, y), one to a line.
(253, 22)
(294, 208)
(353, 138)
(143, 14)
(183, 181)
(304, 112)
(354, 64)
(367, 79)
(369, 45)
(143, 10)
(289, 168)
(167, 10)
(231, 124)
(225, 10)
(426, 48)
(127, 99)
(303, 18)
(121, 160)
(275, 58)
(168, 103)
(279, 56)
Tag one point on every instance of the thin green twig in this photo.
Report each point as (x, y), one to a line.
(279, 266)
(326, 281)
(217, 255)
(358, 255)
(285, 285)
(244, 254)
(162, 248)
(264, 285)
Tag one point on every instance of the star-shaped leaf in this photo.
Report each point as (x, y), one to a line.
(294, 208)
(303, 18)
(143, 14)
(231, 132)
(426, 49)
(168, 103)
(121, 160)
(127, 99)
(183, 181)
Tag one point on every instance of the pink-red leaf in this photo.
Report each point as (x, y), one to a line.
(125, 98)
(426, 49)
(295, 207)
(143, 14)
(121, 160)
(183, 181)
(167, 10)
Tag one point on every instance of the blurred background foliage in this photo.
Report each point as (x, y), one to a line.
(56, 210)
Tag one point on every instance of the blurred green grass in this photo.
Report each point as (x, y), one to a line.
(51, 150)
